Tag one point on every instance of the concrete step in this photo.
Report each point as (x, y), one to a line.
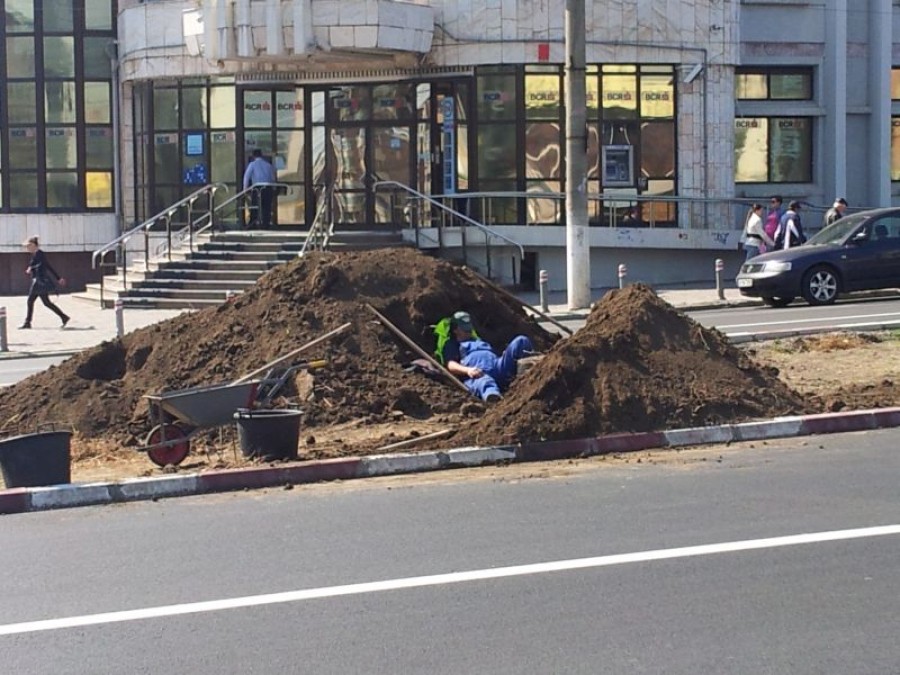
(199, 284)
(187, 274)
(260, 237)
(188, 295)
(272, 247)
(240, 256)
(227, 261)
(218, 265)
(144, 302)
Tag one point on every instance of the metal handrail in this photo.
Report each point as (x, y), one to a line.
(631, 200)
(119, 243)
(150, 222)
(243, 193)
(192, 228)
(324, 214)
(453, 212)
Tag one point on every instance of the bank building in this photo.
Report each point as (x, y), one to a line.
(436, 123)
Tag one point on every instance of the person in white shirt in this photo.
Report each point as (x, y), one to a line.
(755, 235)
(261, 171)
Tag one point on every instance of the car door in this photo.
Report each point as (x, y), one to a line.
(886, 242)
(857, 258)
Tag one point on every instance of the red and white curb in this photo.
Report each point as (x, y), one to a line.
(20, 500)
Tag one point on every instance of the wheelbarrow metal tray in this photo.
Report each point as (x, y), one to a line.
(206, 406)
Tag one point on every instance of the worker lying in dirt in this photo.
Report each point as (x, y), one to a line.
(466, 355)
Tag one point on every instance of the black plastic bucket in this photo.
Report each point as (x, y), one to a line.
(36, 460)
(268, 434)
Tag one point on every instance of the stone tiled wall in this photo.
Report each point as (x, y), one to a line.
(479, 31)
(69, 238)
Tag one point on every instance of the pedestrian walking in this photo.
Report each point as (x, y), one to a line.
(755, 236)
(790, 230)
(836, 212)
(44, 280)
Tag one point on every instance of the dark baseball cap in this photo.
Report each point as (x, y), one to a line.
(462, 320)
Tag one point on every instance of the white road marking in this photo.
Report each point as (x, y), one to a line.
(895, 315)
(441, 579)
(808, 331)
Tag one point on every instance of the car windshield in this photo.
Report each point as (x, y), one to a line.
(837, 231)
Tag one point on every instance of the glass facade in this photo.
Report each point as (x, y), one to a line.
(501, 131)
(56, 149)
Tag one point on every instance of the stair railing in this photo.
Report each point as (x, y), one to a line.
(322, 227)
(487, 231)
(119, 245)
(237, 201)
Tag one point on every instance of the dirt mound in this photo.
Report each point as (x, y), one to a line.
(637, 365)
(99, 392)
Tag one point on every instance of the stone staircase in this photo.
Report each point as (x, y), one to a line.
(222, 263)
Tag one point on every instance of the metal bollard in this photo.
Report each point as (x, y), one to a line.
(119, 307)
(4, 344)
(623, 272)
(543, 280)
(720, 267)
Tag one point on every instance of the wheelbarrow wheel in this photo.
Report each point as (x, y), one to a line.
(165, 455)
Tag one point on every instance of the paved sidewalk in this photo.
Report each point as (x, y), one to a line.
(686, 298)
(91, 325)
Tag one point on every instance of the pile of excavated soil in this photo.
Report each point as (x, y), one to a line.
(99, 392)
(637, 365)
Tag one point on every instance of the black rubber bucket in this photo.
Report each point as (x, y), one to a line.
(268, 434)
(36, 460)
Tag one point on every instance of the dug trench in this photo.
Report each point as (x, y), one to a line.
(637, 365)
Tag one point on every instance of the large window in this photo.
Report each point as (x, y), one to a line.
(774, 84)
(497, 106)
(776, 147)
(521, 137)
(56, 122)
(773, 149)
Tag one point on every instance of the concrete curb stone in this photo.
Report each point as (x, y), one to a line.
(21, 500)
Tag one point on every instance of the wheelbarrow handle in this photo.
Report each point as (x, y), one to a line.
(281, 359)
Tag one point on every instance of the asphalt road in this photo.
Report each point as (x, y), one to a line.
(768, 603)
(747, 322)
(760, 321)
(13, 370)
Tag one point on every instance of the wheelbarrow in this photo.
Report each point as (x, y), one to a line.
(176, 416)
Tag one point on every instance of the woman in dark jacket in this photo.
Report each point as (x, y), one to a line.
(44, 280)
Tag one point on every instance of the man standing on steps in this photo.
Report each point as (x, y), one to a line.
(260, 170)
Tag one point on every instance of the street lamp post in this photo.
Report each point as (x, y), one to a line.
(578, 248)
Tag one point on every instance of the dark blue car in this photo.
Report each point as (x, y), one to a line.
(859, 252)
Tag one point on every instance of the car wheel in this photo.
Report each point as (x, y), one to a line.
(783, 301)
(821, 285)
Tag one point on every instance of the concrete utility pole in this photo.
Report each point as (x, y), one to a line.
(578, 249)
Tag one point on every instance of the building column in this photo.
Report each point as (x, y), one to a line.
(834, 89)
(880, 60)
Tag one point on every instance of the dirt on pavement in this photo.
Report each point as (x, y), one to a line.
(637, 365)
